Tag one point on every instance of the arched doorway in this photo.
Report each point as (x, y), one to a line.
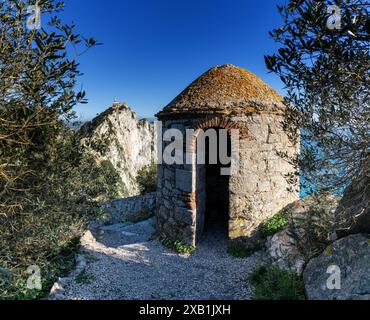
(212, 185)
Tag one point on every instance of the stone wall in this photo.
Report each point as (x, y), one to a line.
(131, 209)
(257, 191)
(260, 190)
(176, 195)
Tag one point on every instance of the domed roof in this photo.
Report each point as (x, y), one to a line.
(224, 90)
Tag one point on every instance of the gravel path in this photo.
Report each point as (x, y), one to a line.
(127, 263)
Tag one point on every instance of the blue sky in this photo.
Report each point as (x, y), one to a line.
(152, 49)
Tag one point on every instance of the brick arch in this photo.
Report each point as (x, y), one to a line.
(224, 123)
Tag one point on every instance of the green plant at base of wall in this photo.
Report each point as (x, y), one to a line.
(178, 246)
(272, 283)
(273, 225)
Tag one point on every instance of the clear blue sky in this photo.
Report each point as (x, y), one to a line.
(152, 49)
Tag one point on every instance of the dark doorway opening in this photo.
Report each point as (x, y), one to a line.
(217, 187)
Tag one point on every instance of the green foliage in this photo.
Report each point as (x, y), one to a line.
(273, 225)
(239, 249)
(178, 246)
(147, 179)
(45, 234)
(272, 283)
(312, 231)
(326, 73)
(49, 186)
(311, 228)
(57, 261)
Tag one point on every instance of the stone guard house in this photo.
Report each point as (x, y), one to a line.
(191, 196)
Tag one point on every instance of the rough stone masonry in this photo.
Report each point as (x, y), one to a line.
(230, 98)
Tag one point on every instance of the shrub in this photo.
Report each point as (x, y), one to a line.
(147, 179)
(274, 225)
(312, 230)
(272, 283)
(314, 233)
(49, 187)
(326, 75)
(178, 246)
(46, 232)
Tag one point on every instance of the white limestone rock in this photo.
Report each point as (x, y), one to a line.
(118, 136)
(284, 253)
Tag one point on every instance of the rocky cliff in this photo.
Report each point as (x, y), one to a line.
(353, 212)
(118, 136)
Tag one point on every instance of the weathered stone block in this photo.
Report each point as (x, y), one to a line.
(178, 126)
(184, 216)
(262, 166)
(267, 147)
(169, 184)
(273, 165)
(264, 186)
(274, 138)
(278, 182)
(244, 185)
(168, 174)
(184, 180)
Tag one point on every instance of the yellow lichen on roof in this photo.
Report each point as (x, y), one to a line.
(226, 89)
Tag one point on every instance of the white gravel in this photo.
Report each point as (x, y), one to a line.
(125, 263)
